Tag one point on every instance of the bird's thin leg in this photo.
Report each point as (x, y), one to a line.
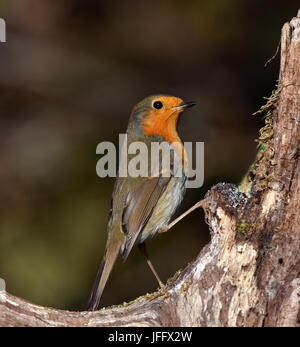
(142, 248)
(175, 221)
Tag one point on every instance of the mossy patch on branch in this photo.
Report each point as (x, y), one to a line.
(149, 296)
(265, 152)
(246, 227)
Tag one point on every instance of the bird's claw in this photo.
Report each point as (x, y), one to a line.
(163, 230)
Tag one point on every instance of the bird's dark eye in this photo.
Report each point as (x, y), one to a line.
(158, 105)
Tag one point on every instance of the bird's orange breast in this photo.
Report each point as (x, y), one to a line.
(164, 124)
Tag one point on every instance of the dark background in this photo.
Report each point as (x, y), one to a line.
(70, 73)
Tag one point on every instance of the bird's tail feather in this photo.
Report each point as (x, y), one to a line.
(104, 271)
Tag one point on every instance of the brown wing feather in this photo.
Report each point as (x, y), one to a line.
(139, 208)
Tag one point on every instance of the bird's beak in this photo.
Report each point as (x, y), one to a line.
(184, 105)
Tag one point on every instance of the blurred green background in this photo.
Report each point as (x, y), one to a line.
(71, 72)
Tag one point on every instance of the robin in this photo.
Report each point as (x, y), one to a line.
(143, 206)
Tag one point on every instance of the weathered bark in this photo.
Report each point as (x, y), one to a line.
(249, 274)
